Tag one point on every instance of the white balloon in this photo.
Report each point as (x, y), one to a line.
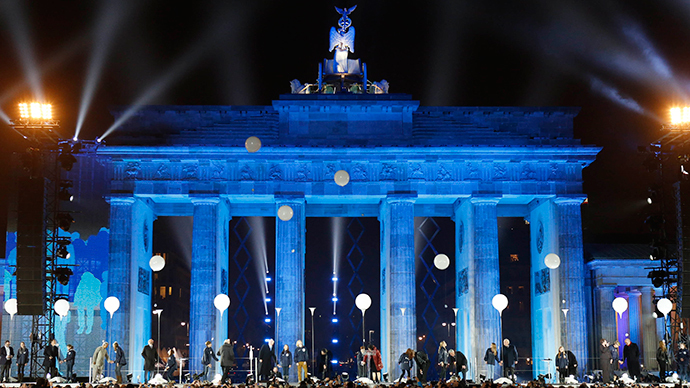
(11, 306)
(222, 302)
(61, 307)
(111, 305)
(341, 178)
(500, 302)
(157, 263)
(363, 302)
(285, 213)
(552, 260)
(665, 306)
(620, 305)
(441, 261)
(252, 144)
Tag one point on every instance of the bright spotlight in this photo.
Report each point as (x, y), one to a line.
(35, 111)
(335, 279)
(334, 340)
(680, 116)
(334, 320)
(334, 299)
(268, 299)
(268, 279)
(267, 320)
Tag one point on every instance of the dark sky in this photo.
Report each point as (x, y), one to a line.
(624, 63)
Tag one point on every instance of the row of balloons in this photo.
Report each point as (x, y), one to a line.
(620, 304)
(442, 261)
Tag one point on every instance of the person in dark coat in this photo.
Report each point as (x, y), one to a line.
(562, 364)
(22, 360)
(572, 364)
(150, 360)
(663, 359)
(323, 363)
(491, 359)
(227, 359)
(631, 355)
(51, 354)
(119, 361)
(170, 366)
(206, 359)
(442, 360)
(606, 360)
(69, 363)
(361, 364)
(460, 363)
(286, 362)
(683, 359)
(267, 358)
(423, 364)
(616, 356)
(509, 358)
(6, 355)
(406, 363)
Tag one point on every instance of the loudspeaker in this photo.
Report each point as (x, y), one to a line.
(31, 275)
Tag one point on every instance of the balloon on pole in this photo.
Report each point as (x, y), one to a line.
(500, 302)
(61, 307)
(222, 302)
(252, 144)
(363, 302)
(341, 178)
(111, 305)
(157, 263)
(620, 305)
(552, 260)
(11, 307)
(285, 213)
(665, 306)
(441, 261)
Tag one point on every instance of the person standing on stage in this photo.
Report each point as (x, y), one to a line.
(100, 356)
(361, 365)
(562, 364)
(683, 358)
(170, 366)
(606, 360)
(323, 363)
(663, 359)
(423, 364)
(120, 361)
(150, 360)
(490, 359)
(616, 356)
(405, 362)
(376, 363)
(22, 360)
(69, 362)
(442, 360)
(301, 358)
(509, 358)
(631, 355)
(227, 359)
(50, 357)
(6, 354)
(572, 364)
(286, 362)
(460, 364)
(206, 359)
(267, 357)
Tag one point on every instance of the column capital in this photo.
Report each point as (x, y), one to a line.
(484, 199)
(573, 200)
(410, 196)
(287, 197)
(204, 200)
(120, 199)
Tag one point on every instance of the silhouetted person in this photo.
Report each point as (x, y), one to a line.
(631, 355)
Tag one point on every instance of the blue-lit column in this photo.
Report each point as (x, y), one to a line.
(398, 331)
(649, 339)
(486, 274)
(464, 271)
(635, 317)
(208, 275)
(129, 275)
(571, 277)
(290, 289)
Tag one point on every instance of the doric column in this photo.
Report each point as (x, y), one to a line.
(290, 284)
(486, 274)
(209, 274)
(129, 274)
(571, 274)
(635, 317)
(649, 338)
(605, 295)
(464, 298)
(398, 331)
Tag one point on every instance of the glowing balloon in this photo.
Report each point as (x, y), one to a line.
(252, 144)
(111, 305)
(552, 260)
(222, 302)
(620, 305)
(665, 306)
(157, 263)
(11, 306)
(363, 302)
(285, 213)
(61, 307)
(500, 302)
(341, 178)
(441, 261)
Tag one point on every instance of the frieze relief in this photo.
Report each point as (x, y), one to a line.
(416, 172)
(443, 174)
(217, 169)
(388, 172)
(190, 171)
(303, 173)
(500, 172)
(359, 172)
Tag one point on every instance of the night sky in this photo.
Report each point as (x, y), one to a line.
(624, 63)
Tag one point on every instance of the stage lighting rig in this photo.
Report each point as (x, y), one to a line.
(36, 122)
(64, 221)
(64, 193)
(62, 274)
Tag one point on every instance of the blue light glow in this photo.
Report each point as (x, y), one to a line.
(334, 361)
(268, 279)
(266, 340)
(334, 320)
(268, 299)
(267, 320)
(334, 340)
(334, 299)
(334, 279)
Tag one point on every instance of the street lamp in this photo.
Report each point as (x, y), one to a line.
(158, 342)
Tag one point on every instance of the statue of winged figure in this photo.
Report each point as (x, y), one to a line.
(342, 39)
